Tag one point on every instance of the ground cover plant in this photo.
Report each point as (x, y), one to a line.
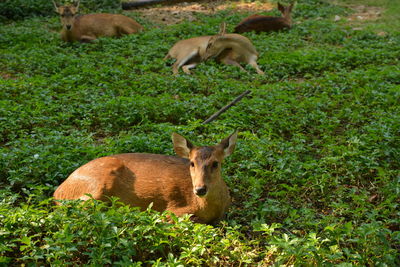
(314, 179)
(20, 9)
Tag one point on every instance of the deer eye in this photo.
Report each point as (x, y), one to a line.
(192, 164)
(215, 164)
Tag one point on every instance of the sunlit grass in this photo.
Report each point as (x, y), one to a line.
(388, 20)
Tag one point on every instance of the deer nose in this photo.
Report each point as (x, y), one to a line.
(69, 27)
(201, 191)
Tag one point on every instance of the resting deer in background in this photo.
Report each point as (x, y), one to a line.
(86, 28)
(231, 49)
(261, 23)
(189, 184)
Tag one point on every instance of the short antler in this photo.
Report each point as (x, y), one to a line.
(55, 5)
(77, 5)
(222, 28)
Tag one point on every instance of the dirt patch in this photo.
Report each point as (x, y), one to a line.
(6, 76)
(362, 14)
(365, 13)
(186, 11)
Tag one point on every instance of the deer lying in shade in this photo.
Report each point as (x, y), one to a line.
(259, 23)
(86, 28)
(230, 49)
(189, 184)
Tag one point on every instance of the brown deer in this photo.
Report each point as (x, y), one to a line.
(230, 49)
(189, 184)
(259, 23)
(86, 28)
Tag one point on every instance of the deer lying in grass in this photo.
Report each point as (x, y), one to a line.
(86, 28)
(231, 49)
(259, 23)
(189, 184)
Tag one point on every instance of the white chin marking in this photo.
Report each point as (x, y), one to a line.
(200, 196)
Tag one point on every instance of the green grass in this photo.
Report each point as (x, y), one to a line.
(315, 176)
(388, 20)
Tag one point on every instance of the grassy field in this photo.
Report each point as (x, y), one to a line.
(315, 176)
(389, 13)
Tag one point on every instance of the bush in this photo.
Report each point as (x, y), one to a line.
(93, 233)
(19, 9)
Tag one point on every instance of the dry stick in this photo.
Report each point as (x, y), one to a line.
(222, 110)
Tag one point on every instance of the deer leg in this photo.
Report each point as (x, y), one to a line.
(187, 68)
(175, 68)
(229, 61)
(180, 61)
(254, 65)
(86, 39)
(126, 30)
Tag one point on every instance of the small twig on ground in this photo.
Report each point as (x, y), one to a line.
(222, 110)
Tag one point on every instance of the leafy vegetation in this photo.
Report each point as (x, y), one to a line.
(388, 14)
(315, 177)
(19, 9)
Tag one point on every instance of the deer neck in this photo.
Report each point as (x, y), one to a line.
(68, 36)
(288, 18)
(233, 43)
(73, 34)
(214, 204)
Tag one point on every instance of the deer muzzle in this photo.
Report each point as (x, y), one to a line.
(201, 191)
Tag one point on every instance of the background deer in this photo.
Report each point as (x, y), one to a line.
(86, 28)
(231, 49)
(261, 23)
(189, 184)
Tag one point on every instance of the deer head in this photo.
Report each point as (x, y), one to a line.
(205, 161)
(67, 14)
(214, 45)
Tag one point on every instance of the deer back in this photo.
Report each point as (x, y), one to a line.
(91, 26)
(235, 46)
(260, 23)
(189, 48)
(104, 25)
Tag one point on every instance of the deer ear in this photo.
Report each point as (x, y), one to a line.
(77, 5)
(222, 28)
(281, 7)
(182, 146)
(55, 5)
(228, 144)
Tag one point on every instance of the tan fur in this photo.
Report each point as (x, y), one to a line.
(86, 28)
(168, 182)
(231, 49)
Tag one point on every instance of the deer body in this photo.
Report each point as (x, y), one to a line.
(190, 185)
(86, 28)
(231, 49)
(188, 53)
(89, 27)
(260, 23)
